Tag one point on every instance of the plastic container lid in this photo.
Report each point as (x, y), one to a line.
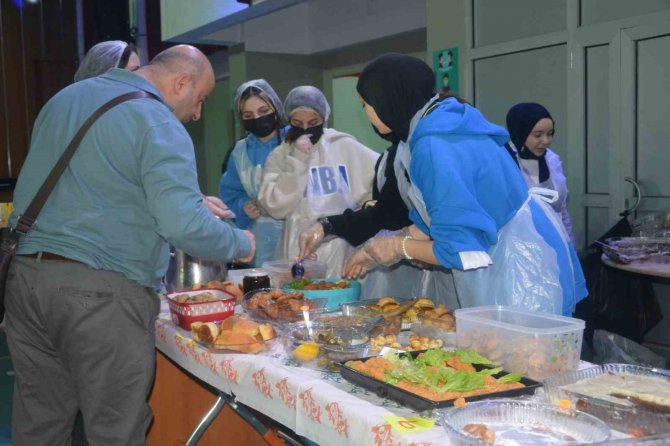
(513, 319)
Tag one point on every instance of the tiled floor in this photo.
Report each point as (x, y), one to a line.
(6, 388)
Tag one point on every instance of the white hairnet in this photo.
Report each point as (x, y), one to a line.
(262, 85)
(307, 97)
(100, 58)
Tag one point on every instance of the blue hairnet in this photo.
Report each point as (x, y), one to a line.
(308, 97)
(262, 85)
(100, 58)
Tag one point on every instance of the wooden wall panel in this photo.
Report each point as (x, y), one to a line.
(15, 117)
(4, 105)
(38, 57)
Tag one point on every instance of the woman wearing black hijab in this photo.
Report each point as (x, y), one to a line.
(531, 130)
(471, 208)
(387, 211)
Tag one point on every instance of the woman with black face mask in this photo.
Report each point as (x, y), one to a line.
(316, 172)
(261, 114)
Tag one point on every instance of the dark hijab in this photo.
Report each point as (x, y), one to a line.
(396, 86)
(520, 122)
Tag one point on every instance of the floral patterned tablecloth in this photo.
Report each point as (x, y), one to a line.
(321, 406)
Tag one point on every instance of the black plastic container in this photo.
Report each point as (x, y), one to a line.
(419, 403)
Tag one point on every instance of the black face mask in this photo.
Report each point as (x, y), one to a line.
(261, 127)
(388, 136)
(296, 132)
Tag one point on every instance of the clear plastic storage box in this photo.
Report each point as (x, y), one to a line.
(534, 344)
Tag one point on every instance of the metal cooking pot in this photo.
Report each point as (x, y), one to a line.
(184, 270)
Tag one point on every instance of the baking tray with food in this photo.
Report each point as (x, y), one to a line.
(629, 398)
(435, 378)
(235, 334)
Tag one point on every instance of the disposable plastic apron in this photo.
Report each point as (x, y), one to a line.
(266, 229)
(524, 272)
(327, 193)
(556, 180)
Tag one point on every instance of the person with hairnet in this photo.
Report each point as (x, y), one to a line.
(316, 172)
(260, 111)
(105, 55)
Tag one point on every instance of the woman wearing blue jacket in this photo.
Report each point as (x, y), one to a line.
(471, 208)
(261, 113)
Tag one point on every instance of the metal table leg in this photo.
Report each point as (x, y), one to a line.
(206, 421)
(271, 437)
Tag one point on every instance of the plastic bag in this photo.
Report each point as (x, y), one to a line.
(612, 348)
(524, 273)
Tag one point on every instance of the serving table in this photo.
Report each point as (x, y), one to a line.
(645, 268)
(321, 406)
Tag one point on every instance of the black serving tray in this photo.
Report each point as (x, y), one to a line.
(419, 403)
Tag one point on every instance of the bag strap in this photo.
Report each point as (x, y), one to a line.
(27, 219)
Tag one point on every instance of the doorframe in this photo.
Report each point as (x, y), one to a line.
(619, 35)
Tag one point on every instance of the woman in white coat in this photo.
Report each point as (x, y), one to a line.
(315, 173)
(531, 130)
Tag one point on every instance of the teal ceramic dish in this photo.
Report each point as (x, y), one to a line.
(335, 296)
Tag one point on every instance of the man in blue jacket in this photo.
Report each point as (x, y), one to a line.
(80, 305)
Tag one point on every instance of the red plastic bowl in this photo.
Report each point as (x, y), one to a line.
(184, 314)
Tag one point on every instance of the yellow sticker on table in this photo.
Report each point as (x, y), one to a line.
(410, 425)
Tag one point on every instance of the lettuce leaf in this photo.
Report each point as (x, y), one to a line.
(510, 378)
(473, 357)
(298, 284)
(429, 369)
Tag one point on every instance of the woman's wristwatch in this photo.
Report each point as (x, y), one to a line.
(328, 228)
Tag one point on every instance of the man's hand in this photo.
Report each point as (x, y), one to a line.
(253, 248)
(217, 207)
(310, 240)
(252, 209)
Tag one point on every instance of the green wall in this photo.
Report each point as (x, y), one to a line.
(446, 28)
(212, 136)
(339, 86)
(196, 129)
(218, 134)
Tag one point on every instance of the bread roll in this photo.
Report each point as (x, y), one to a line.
(267, 332)
(207, 332)
(245, 326)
